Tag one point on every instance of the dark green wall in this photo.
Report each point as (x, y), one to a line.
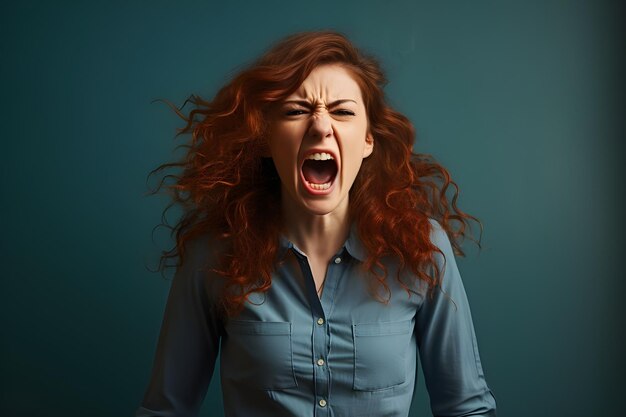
(518, 100)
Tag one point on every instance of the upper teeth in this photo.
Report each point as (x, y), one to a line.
(323, 156)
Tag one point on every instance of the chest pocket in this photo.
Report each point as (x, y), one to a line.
(260, 354)
(380, 351)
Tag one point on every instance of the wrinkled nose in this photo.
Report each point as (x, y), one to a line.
(321, 127)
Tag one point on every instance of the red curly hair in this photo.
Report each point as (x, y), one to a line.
(227, 189)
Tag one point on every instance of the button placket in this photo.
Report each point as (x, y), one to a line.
(336, 269)
(320, 372)
(320, 341)
(321, 310)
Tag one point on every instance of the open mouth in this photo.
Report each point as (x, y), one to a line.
(319, 171)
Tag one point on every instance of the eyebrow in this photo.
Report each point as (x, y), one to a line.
(305, 103)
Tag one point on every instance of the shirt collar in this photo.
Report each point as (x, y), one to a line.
(353, 246)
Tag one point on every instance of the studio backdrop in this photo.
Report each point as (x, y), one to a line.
(519, 100)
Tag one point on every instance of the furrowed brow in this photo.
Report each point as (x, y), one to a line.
(305, 103)
(302, 103)
(340, 102)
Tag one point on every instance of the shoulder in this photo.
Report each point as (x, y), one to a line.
(445, 261)
(201, 252)
(439, 237)
(200, 258)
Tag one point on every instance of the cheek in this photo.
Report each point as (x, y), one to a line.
(352, 165)
(285, 139)
(285, 144)
(285, 158)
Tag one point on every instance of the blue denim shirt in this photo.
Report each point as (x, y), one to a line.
(290, 353)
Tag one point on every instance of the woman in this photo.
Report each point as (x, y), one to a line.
(316, 251)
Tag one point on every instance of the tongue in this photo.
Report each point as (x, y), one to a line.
(318, 172)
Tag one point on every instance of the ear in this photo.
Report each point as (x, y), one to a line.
(369, 145)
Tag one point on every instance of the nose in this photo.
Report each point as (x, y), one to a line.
(321, 126)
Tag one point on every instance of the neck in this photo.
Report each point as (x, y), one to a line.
(317, 235)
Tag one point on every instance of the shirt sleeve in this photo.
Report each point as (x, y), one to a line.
(447, 344)
(188, 342)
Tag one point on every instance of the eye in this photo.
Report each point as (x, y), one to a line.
(343, 112)
(295, 112)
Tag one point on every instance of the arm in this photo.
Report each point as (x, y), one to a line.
(188, 343)
(447, 344)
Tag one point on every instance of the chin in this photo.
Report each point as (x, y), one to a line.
(303, 202)
(320, 209)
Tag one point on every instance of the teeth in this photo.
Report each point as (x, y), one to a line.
(324, 186)
(323, 156)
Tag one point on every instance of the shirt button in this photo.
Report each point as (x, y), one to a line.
(322, 403)
(320, 362)
(337, 260)
(320, 321)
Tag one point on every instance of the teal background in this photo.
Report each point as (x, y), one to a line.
(522, 101)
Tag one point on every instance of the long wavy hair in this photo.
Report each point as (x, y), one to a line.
(226, 188)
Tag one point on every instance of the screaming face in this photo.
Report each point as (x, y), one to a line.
(318, 138)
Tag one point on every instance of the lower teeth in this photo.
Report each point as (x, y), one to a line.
(324, 186)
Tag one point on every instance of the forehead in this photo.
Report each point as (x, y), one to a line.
(329, 82)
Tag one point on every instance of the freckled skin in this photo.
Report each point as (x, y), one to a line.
(325, 114)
